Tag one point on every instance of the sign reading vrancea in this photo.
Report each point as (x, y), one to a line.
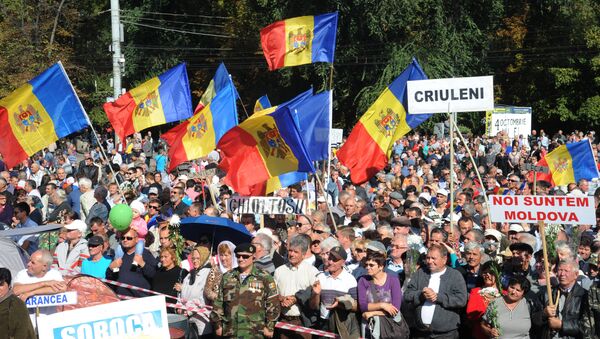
(266, 205)
(59, 299)
(550, 209)
(136, 318)
(451, 95)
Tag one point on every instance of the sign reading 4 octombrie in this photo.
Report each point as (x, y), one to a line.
(137, 318)
(451, 95)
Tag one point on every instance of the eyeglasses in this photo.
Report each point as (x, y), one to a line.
(333, 258)
(513, 180)
(371, 265)
(243, 256)
(359, 250)
(127, 238)
(154, 207)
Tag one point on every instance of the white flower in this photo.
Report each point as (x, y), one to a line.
(490, 292)
(414, 241)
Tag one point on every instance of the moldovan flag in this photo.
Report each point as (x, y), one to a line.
(160, 100)
(37, 114)
(301, 40)
(369, 146)
(571, 162)
(216, 84)
(262, 103)
(262, 147)
(198, 136)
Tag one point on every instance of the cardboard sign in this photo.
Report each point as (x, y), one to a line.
(550, 209)
(59, 299)
(265, 205)
(451, 95)
(336, 136)
(513, 120)
(136, 318)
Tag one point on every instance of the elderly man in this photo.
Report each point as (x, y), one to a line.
(263, 259)
(247, 305)
(349, 210)
(429, 296)
(562, 320)
(69, 254)
(100, 208)
(294, 280)
(394, 264)
(473, 254)
(59, 199)
(175, 205)
(86, 199)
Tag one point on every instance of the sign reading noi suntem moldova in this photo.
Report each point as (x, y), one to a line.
(451, 95)
(550, 209)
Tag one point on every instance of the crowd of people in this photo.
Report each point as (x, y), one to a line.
(388, 258)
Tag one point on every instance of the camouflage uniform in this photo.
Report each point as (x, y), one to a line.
(244, 309)
(590, 322)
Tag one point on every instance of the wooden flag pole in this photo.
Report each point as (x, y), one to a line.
(542, 228)
(328, 207)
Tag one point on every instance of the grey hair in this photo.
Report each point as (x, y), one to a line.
(473, 246)
(46, 257)
(60, 195)
(479, 236)
(265, 242)
(85, 182)
(329, 243)
(301, 241)
(574, 265)
(386, 229)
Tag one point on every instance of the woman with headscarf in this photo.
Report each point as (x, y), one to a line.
(192, 291)
(222, 263)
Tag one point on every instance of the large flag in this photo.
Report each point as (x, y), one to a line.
(160, 100)
(301, 40)
(369, 146)
(39, 113)
(262, 147)
(262, 103)
(571, 162)
(216, 84)
(199, 135)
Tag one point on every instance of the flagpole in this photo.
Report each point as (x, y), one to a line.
(330, 128)
(328, 207)
(451, 117)
(244, 107)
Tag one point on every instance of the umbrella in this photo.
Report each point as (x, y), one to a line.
(220, 229)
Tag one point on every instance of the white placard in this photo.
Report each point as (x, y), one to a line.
(265, 205)
(137, 318)
(550, 209)
(512, 124)
(59, 299)
(336, 135)
(451, 95)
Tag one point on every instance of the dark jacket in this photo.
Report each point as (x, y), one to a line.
(451, 298)
(140, 277)
(571, 314)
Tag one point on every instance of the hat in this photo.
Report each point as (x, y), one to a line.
(182, 177)
(139, 206)
(95, 241)
(339, 252)
(521, 246)
(265, 230)
(396, 196)
(401, 221)
(77, 225)
(515, 228)
(493, 233)
(442, 191)
(376, 246)
(245, 247)
(425, 196)
(153, 190)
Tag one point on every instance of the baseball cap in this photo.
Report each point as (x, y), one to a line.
(96, 240)
(521, 246)
(339, 252)
(425, 196)
(77, 225)
(246, 248)
(443, 192)
(493, 233)
(515, 228)
(153, 190)
(376, 246)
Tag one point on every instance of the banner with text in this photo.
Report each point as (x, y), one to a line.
(550, 209)
(451, 95)
(59, 299)
(136, 318)
(513, 120)
(266, 205)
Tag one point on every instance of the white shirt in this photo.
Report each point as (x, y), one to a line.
(332, 288)
(290, 280)
(23, 278)
(429, 308)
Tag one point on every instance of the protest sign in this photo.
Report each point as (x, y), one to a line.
(136, 318)
(265, 205)
(513, 120)
(209, 173)
(336, 136)
(59, 299)
(549, 209)
(451, 95)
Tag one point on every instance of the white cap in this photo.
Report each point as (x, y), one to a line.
(77, 225)
(139, 206)
(493, 233)
(442, 191)
(515, 228)
(425, 196)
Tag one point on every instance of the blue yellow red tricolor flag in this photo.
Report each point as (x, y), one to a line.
(369, 146)
(301, 40)
(262, 147)
(262, 103)
(162, 99)
(571, 162)
(39, 113)
(199, 135)
(216, 84)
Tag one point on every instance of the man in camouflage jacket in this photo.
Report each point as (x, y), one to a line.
(247, 305)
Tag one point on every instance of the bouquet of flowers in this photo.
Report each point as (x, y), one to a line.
(412, 255)
(489, 293)
(492, 313)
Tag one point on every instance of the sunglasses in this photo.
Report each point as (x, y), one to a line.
(371, 265)
(243, 256)
(318, 231)
(359, 250)
(127, 238)
(154, 207)
(513, 180)
(92, 246)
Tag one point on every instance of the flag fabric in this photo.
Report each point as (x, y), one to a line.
(217, 83)
(300, 40)
(275, 183)
(199, 135)
(369, 146)
(39, 113)
(262, 103)
(313, 115)
(571, 162)
(162, 99)
(540, 175)
(262, 147)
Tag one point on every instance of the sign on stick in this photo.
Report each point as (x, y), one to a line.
(59, 299)
(265, 205)
(451, 95)
(550, 209)
(513, 120)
